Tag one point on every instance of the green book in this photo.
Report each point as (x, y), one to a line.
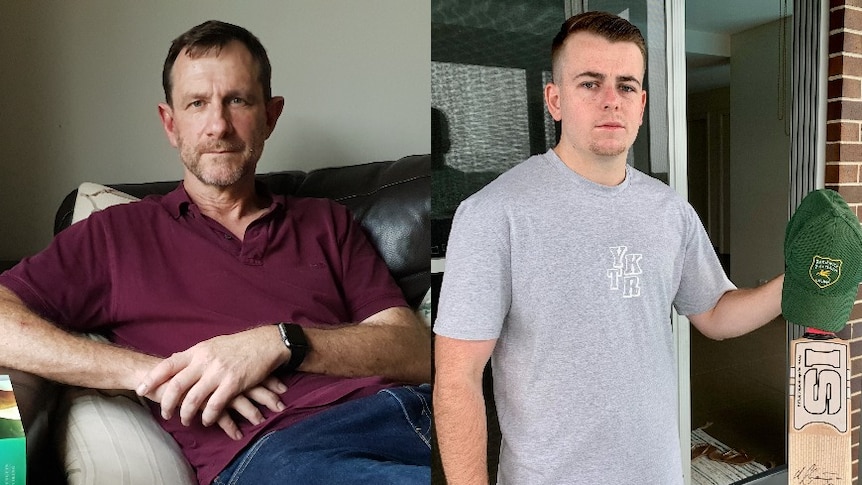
(13, 449)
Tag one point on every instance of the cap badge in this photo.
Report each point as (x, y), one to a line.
(824, 272)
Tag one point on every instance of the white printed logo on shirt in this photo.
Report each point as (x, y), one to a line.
(626, 271)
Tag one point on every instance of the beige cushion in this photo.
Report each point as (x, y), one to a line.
(114, 440)
(111, 437)
(95, 197)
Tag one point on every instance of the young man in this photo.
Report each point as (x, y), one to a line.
(190, 286)
(564, 271)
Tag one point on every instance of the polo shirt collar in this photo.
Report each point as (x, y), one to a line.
(178, 203)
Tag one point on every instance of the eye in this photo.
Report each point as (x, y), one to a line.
(237, 100)
(589, 84)
(196, 104)
(627, 88)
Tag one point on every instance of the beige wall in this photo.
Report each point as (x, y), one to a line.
(759, 156)
(80, 82)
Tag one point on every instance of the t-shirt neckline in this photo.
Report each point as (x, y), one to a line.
(583, 183)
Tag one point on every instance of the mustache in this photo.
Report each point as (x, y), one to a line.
(223, 146)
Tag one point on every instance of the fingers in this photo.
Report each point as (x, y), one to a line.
(274, 384)
(245, 405)
(201, 380)
(168, 382)
(225, 392)
(178, 385)
(187, 391)
(247, 409)
(207, 377)
(160, 374)
(228, 425)
(267, 394)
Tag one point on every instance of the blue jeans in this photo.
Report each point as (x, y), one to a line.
(380, 439)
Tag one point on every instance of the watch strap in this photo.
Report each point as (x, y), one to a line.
(294, 339)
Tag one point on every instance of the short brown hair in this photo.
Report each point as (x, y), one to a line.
(612, 27)
(213, 35)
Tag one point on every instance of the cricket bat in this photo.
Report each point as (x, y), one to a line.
(819, 444)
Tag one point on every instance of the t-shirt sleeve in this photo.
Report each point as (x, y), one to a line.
(365, 279)
(67, 283)
(703, 280)
(477, 285)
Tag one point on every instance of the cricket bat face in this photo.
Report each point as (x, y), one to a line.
(819, 445)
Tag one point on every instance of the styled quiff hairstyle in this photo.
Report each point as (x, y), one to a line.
(612, 27)
(213, 35)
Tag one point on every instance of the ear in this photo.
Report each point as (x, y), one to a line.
(274, 107)
(552, 101)
(166, 113)
(643, 106)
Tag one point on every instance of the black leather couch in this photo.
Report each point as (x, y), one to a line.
(392, 201)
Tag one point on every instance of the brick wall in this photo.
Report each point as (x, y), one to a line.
(844, 158)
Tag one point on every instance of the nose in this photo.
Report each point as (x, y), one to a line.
(218, 121)
(610, 98)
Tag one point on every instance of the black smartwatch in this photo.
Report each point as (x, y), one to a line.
(294, 339)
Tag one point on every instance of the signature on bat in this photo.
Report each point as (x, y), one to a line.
(812, 475)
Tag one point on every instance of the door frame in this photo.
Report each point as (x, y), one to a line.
(678, 180)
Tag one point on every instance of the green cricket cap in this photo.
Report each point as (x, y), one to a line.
(823, 262)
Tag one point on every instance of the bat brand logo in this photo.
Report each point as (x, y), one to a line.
(821, 385)
(824, 272)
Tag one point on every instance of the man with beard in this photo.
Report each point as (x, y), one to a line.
(270, 316)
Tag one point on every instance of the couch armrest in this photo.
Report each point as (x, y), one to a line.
(38, 400)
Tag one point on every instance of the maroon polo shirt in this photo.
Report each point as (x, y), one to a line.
(158, 276)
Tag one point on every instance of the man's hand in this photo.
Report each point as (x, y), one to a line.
(266, 394)
(215, 373)
(39, 347)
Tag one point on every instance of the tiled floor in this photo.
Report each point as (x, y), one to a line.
(738, 385)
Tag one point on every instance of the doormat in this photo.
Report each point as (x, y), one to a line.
(710, 472)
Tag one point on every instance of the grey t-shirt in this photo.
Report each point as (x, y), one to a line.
(576, 281)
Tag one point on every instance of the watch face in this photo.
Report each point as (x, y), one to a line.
(294, 339)
(282, 329)
(292, 335)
